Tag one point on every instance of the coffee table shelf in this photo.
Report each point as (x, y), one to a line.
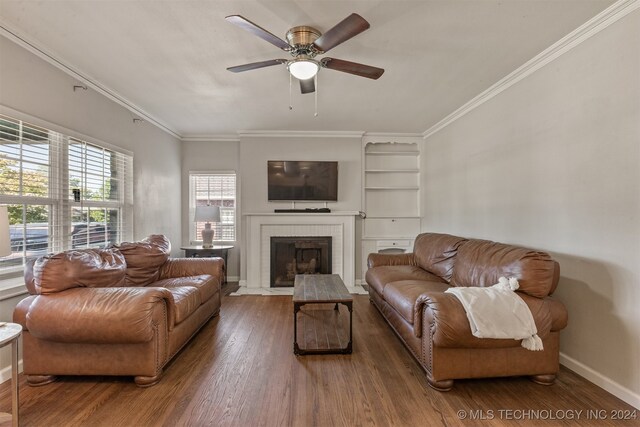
(323, 328)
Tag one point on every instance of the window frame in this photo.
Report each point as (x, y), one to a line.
(58, 200)
(194, 239)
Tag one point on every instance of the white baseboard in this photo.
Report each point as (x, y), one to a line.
(5, 373)
(233, 278)
(618, 390)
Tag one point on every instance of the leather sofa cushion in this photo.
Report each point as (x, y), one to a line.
(380, 259)
(91, 268)
(378, 277)
(186, 300)
(402, 295)
(482, 263)
(206, 284)
(437, 253)
(184, 267)
(97, 316)
(144, 259)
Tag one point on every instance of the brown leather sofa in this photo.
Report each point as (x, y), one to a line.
(125, 310)
(409, 290)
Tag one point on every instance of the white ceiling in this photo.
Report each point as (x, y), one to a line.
(169, 58)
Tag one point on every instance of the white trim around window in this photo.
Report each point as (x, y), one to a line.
(64, 191)
(220, 188)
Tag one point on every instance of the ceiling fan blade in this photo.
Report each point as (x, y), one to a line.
(352, 25)
(352, 68)
(254, 65)
(256, 30)
(307, 86)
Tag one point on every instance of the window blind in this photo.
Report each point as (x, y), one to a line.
(218, 189)
(39, 171)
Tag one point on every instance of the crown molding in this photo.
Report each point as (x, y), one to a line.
(31, 46)
(17, 114)
(299, 134)
(392, 134)
(613, 13)
(295, 134)
(384, 137)
(211, 138)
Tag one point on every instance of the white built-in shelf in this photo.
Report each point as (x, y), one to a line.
(392, 171)
(392, 153)
(391, 188)
(391, 195)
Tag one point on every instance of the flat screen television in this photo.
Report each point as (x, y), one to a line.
(302, 181)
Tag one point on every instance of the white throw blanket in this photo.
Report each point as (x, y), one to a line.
(497, 312)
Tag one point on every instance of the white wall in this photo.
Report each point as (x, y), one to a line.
(255, 151)
(30, 85)
(208, 156)
(554, 163)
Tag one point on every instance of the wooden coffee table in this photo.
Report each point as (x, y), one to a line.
(324, 325)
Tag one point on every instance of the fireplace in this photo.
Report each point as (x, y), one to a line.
(298, 255)
(259, 228)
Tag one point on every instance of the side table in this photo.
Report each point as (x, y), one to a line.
(221, 251)
(9, 333)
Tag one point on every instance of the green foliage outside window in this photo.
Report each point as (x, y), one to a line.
(35, 183)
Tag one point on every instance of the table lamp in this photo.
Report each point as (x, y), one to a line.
(207, 214)
(5, 239)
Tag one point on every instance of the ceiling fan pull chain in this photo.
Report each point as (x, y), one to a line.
(290, 106)
(315, 78)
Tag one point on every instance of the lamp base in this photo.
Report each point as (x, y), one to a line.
(207, 236)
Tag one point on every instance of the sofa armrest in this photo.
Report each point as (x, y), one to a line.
(101, 315)
(377, 259)
(559, 314)
(445, 315)
(437, 308)
(184, 267)
(21, 310)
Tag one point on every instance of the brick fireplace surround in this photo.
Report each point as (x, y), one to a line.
(260, 227)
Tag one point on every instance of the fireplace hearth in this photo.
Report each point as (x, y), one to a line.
(298, 255)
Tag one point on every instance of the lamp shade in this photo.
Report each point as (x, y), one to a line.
(207, 214)
(303, 69)
(5, 239)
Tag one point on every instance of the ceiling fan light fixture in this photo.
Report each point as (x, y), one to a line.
(303, 69)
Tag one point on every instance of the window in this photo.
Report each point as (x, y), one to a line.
(218, 189)
(61, 192)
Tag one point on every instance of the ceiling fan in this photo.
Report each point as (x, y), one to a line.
(304, 43)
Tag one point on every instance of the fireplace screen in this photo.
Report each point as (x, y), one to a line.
(298, 255)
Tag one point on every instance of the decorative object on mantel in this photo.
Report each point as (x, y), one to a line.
(207, 214)
(5, 240)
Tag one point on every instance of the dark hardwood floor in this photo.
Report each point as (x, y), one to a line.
(240, 371)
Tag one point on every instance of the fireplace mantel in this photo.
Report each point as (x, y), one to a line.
(260, 227)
